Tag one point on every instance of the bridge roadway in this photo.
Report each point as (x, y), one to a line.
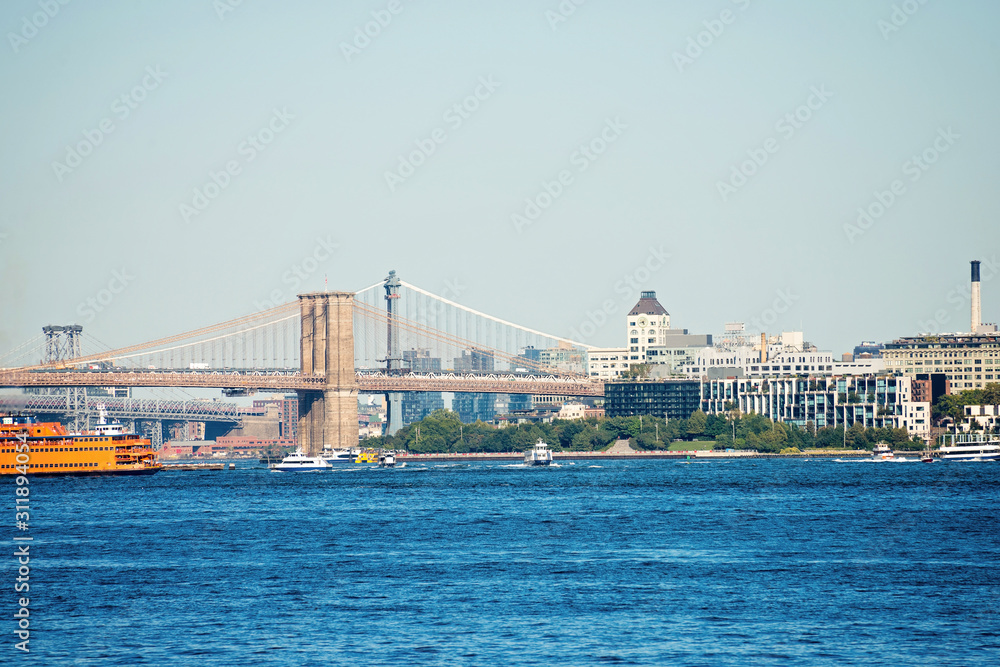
(131, 408)
(368, 382)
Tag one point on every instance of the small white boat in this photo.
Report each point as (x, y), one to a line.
(298, 461)
(335, 455)
(539, 455)
(387, 460)
(882, 452)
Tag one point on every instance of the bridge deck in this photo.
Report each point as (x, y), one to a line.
(376, 383)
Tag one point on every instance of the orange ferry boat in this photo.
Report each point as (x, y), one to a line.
(46, 448)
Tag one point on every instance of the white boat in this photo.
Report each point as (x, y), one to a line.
(882, 452)
(387, 460)
(333, 455)
(539, 455)
(969, 447)
(298, 461)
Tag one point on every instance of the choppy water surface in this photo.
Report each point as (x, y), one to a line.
(638, 562)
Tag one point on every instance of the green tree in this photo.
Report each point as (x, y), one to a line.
(696, 423)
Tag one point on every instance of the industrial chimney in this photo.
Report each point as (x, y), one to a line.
(976, 312)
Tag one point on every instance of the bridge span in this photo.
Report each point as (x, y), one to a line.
(326, 381)
(365, 382)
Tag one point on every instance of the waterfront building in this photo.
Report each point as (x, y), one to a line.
(673, 399)
(968, 361)
(870, 400)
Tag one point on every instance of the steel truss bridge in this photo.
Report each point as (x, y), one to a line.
(130, 408)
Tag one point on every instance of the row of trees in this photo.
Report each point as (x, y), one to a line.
(442, 431)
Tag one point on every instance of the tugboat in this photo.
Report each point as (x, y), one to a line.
(539, 455)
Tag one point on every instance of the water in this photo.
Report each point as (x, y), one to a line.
(617, 562)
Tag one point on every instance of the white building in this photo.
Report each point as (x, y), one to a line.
(647, 324)
(607, 363)
(871, 400)
(987, 417)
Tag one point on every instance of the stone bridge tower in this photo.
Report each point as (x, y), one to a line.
(328, 415)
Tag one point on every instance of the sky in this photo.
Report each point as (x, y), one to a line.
(825, 166)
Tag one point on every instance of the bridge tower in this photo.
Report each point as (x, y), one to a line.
(328, 414)
(393, 355)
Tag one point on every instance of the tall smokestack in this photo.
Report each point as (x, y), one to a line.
(763, 347)
(976, 306)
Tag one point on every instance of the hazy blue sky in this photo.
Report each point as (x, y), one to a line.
(198, 81)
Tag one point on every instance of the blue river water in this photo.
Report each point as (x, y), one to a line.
(618, 562)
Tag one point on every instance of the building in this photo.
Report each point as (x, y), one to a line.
(473, 407)
(418, 404)
(678, 350)
(985, 417)
(868, 350)
(244, 446)
(572, 411)
(928, 387)
(474, 361)
(607, 363)
(287, 414)
(673, 399)
(647, 324)
(968, 361)
(787, 354)
(872, 401)
(563, 359)
(421, 361)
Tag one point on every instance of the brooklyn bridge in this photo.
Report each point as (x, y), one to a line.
(326, 347)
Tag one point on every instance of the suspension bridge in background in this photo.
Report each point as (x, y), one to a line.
(327, 347)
